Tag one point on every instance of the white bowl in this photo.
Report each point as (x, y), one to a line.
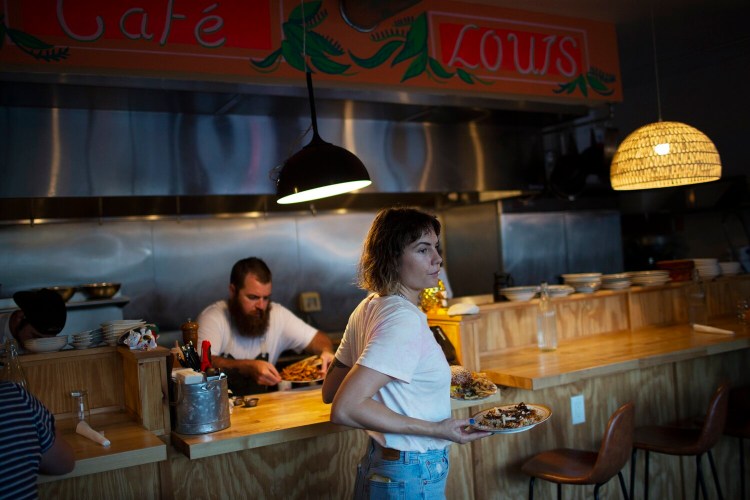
(520, 293)
(48, 344)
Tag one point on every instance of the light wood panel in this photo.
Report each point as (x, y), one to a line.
(53, 376)
(138, 482)
(146, 393)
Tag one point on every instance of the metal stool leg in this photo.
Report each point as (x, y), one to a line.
(645, 480)
(559, 491)
(699, 473)
(716, 476)
(742, 467)
(531, 488)
(622, 485)
(632, 472)
(596, 491)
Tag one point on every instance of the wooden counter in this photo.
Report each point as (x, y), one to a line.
(605, 354)
(279, 417)
(131, 445)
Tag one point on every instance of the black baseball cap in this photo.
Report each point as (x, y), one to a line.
(44, 309)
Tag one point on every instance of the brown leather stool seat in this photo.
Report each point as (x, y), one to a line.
(683, 441)
(738, 425)
(569, 466)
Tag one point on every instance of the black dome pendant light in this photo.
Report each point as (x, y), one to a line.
(320, 169)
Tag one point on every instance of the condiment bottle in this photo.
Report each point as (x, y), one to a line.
(546, 321)
(189, 332)
(12, 370)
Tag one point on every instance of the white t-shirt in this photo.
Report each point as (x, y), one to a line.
(390, 335)
(285, 331)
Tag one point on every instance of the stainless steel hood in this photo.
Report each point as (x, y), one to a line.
(69, 136)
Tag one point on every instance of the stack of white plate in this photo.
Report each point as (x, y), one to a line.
(560, 290)
(617, 281)
(708, 269)
(114, 329)
(89, 338)
(584, 282)
(729, 268)
(45, 344)
(650, 278)
(520, 293)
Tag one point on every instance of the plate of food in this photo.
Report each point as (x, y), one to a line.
(468, 385)
(508, 419)
(307, 370)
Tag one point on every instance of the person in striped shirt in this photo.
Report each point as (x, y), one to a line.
(29, 443)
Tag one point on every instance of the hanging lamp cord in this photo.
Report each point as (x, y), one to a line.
(308, 73)
(656, 61)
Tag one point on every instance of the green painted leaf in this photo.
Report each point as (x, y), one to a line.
(28, 41)
(293, 33)
(380, 56)
(416, 68)
(465, 76)
(438, 69)
(292, 56)
(416, 40)
(327, 65)
(311, 10)
(322, 44)
(268, 61)
(582, 85)
(598, 86)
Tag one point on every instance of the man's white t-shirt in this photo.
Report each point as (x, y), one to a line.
(391, 335)
(285, 332)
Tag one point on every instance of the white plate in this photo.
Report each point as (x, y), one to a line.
(545, 411)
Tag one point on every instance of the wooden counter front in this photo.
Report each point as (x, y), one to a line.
(606, 354)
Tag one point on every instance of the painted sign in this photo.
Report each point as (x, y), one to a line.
(428, 45)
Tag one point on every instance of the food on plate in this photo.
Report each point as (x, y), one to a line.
(509, 417)
(466, 384)
(307, 370)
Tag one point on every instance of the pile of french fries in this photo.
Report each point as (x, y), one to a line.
(306, 370)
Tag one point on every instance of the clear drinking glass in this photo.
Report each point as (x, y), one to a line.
(546, 322)
(81, 403)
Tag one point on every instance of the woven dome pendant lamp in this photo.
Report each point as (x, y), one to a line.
(664, 154)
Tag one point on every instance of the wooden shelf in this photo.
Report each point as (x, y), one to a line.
(120, 301)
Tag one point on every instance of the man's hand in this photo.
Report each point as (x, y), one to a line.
(263, 372)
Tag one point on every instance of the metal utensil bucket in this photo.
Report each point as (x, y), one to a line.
(202, 408)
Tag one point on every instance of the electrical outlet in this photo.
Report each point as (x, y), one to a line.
(577, 409)
(309, 302)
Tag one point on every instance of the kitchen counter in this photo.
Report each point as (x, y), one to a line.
(279, 417)
(131, 445)
(605, 354)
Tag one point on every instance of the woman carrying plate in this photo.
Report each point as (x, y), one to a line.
(389, 376)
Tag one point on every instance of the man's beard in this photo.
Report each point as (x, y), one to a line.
(249, 325)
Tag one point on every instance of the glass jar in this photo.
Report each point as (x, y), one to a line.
(546, 321)
(12, 370)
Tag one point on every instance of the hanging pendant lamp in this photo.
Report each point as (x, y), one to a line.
(664, 154)
(320, 169)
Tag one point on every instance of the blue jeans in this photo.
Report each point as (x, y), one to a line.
(410, 476)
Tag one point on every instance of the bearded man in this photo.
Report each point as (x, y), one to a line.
(248, 332)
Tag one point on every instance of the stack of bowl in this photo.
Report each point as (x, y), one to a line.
(89, 338)
(617, 281)
(560, 290)
(584, 282)
(520, 293)
(679, 270)
(729, 268)
(649, 278)
(114, 329)
(708, 269)
(45, 344)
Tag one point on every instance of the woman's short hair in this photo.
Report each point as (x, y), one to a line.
(250, 265)
(392, 230)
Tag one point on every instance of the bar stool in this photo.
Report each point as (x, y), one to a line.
(738, 424)
(568, 466)
(683, 441)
